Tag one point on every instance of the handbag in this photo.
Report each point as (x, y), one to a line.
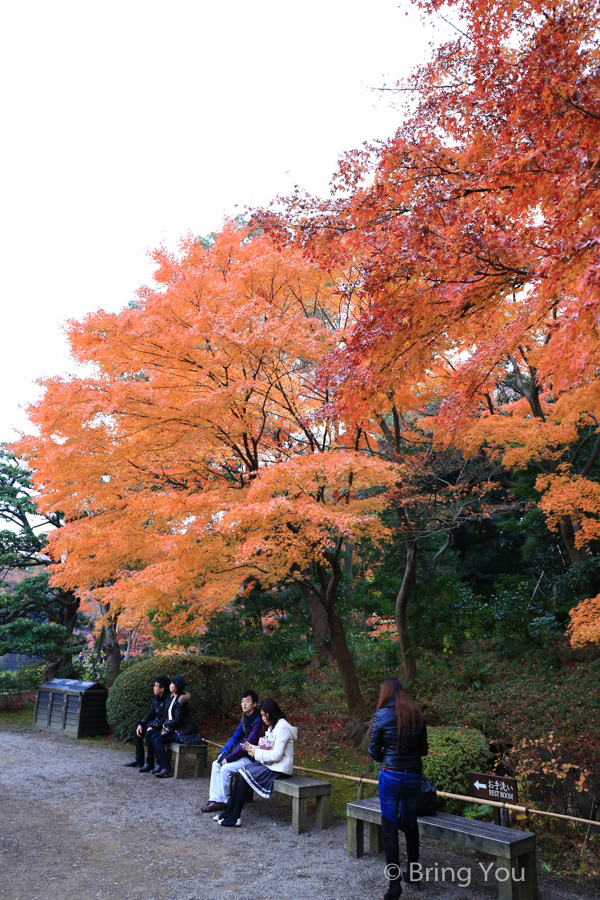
(427, 805)
(266, 743)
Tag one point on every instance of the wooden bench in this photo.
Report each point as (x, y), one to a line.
(300, 789)
(512, 849)
(179, 753)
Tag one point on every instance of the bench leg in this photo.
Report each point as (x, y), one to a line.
(509, 889)
(528, 887)
(179, 760)
(298, 815)
(375, 838)
(200, 764)
(323, 811)
(356, 838)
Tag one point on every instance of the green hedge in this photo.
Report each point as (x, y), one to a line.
(453, 752)
(212, 684)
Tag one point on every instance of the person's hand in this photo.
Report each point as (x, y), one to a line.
(138, 731)
(250, 750)
(150, 729)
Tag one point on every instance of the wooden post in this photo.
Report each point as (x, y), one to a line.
(375, 838)
(298, 815)
(323, 811)
(356, 838)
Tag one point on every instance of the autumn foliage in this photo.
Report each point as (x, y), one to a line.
(247, 414)
(476, 229)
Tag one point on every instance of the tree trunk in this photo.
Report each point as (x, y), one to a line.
(567, 530)
(402, 598)
(295, 610)
(404, 594)
(319, 624)
(67, 617)
(113, 653)
(357, 707)
(349, 551)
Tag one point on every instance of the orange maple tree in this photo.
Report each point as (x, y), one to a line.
(197, 455)
(476, 230)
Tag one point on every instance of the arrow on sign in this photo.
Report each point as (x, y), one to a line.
(480, 786)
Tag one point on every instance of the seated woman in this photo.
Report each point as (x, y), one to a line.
(178, 726)
(274, 759)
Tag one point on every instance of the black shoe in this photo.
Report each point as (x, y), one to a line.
(134, 763)
(165, 773)
(146, 768)
(156, 770)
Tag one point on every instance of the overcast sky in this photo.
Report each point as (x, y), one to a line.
(128, 124)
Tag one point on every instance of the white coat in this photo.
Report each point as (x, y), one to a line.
(281, 757)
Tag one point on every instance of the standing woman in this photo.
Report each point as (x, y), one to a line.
(398, 741)
(273, 758)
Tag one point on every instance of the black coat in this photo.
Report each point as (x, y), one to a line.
(157, 712)
(181, 717)
(383, 746)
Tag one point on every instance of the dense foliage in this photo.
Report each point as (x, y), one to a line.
(212, 684)
(385, 402)
(453, 753)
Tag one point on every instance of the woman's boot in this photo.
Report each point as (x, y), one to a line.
(392, 864)
(412, 874)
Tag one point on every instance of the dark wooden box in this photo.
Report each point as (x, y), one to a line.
(74, 708)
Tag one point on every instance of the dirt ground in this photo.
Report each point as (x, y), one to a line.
(75, 824)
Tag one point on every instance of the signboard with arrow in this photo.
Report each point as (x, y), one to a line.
(493, 787)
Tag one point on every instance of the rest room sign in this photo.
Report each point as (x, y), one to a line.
(493, 787)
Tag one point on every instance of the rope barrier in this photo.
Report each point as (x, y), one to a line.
(503, 805)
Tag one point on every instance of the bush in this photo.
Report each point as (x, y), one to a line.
(453, 752)
(212, 684)
(14, 684)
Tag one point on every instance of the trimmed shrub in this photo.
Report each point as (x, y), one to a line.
(211, 682)
(16, 686)
(453, 752)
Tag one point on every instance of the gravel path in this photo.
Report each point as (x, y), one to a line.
(75, 824)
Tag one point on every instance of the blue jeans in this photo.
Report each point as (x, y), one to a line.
(399, 794)
(160, 751)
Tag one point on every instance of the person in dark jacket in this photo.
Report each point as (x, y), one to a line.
(398, 741)
(150, 725)
(233, 756)
(178, 726)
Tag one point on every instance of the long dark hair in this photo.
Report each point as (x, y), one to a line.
(272, 710)
(407, 714)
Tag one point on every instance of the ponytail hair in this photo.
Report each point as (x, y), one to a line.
(408, 715)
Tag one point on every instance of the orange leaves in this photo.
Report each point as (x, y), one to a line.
(201, 453)
(574, 496)
(585, 622)
(293, 510)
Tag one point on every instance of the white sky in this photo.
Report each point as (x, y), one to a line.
(127, 124)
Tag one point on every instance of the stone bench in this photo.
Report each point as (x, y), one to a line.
(301, 789)
(513, 849)
(179, 753)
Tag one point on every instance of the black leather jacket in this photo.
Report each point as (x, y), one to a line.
(384, 739)
(157, 712)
